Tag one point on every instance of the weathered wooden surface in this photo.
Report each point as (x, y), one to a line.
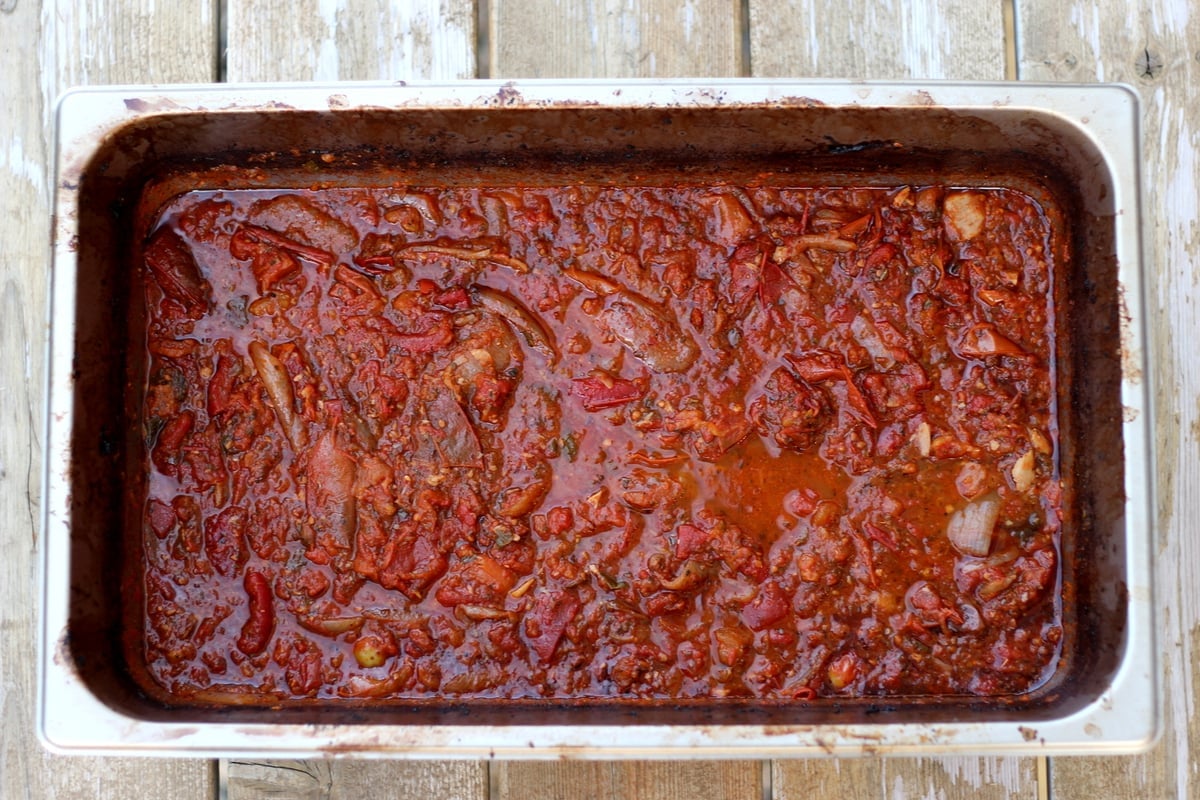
(317, 40)
(618, 780)
(130, 41)
(353, 780)
(45, 49)
(975, 778)
(615, 38)
(1154, 46)
(48, 46)
(877, 39)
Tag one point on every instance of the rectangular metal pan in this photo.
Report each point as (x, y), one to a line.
(1079, 143)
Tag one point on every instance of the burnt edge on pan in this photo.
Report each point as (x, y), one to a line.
(104, 443)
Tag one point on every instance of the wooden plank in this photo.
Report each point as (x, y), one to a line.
(617, 780)
(134, 41)
(946, 778)
(318, 40)
(615, 38)
(48, 47)
(879, 39)
(618, 39)
(887, 39)
(1153, 46)
(352, 40)
(336, 780)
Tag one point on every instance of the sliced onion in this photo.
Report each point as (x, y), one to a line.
(1022, 472)
(730, 222)
(362, 686)
(983, 340)
(691, 575)
(966, 213)
(536, 334)
(334, 626)
(466, 682)
(278, 384)
(867, 335)
(478, 613)
(923, 438)
(970, 529)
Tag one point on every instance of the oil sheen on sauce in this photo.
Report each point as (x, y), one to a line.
(581, 441)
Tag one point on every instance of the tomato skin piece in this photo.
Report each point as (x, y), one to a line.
(551, 613)
(453, 299)
(168, 449)
(816, 366)
(225, 540)
(259, 628)
(437, 335)
(882, 536)
(162, 518)
(175, 270)
(690, 541)
(769, 606)
(220, 387)
(255, 235)
(599, 393)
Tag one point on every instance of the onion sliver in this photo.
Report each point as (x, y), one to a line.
(970, 529)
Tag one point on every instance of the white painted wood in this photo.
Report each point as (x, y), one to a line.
(615, 38)
(58, 43)
(355, 780)
(48, 47)
(1155, 46)
(899, 778)
(618, 780)
(129, 41)
(877, 39)
(327, 40)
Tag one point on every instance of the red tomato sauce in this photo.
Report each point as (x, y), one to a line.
(634, 442)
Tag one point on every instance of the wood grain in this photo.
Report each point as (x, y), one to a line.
(615, 38)
(887, 39)
(878, 39)
(132, 41)
(326, 40)
(975, 778)
(335, 780)
(48, 47)
(1154, 46)
(618, 780)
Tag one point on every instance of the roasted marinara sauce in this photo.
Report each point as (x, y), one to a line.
(584, 441)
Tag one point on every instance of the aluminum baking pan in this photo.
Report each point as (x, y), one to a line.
(1082, 142)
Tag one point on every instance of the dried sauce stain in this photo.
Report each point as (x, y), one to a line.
(509, 95)
(632, 443)
(1131, 357)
